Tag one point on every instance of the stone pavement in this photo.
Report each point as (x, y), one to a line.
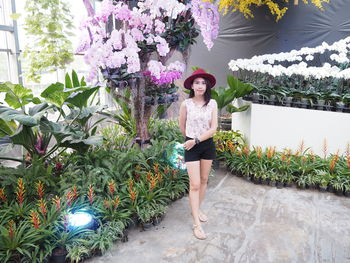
(248, 223)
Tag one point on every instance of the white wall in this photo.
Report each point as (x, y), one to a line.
(285, 127)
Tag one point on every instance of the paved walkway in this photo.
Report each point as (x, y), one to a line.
(248, 223)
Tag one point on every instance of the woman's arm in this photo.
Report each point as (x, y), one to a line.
(213, 126)
(182, 118)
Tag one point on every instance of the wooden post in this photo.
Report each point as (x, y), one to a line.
(296, 2)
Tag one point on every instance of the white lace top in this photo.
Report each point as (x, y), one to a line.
(198, 118)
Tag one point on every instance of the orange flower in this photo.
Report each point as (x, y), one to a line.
(325, 148)
(91, 194)
(258, 152)
(106, 203)
(148, 176)
(159, 177)
(11, 229)
(174, 171)
(116, 202)
(132, 195)
(75, 192)
(230, 146)
(283, 157)
(301, 146)
(111, 187)
(20, 191)
(270, 152)
(156, 167)
(57, 202)
(34, 217)
(333, 162)
(69, 198)
(167, 169)
(40, 189)
(131, 183)
(42, 207)
(2, 195)
(246, 150)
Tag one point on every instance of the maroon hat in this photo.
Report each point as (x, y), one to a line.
(200, 73)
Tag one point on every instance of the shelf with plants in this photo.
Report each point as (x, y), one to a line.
(311, 78)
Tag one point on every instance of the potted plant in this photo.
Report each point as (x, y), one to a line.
(160, 211)
(146, 214)
(226, 96)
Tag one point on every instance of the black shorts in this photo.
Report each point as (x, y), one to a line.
(203, 150)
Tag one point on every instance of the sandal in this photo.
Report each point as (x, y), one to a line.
(202, 217)
(198, 232)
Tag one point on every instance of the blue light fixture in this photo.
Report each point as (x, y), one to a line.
(177, 156)
(80, 219)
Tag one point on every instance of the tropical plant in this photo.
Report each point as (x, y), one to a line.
(49, 24)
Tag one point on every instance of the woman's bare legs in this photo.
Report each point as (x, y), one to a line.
(193, 169)
(205, 167)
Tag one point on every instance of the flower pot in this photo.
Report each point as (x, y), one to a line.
(347, 193)
(340, 106)
(133, 221)
(272, 183)
(272, 99)
(279, 185)
(147, 225)
(288, 184)
(158, 219)
(256, 97)
(338, 192)
(288, 101)
(247, 177)
(320, 104)
(124, 237)
(322, 188)
(304, 103)
(58, 255)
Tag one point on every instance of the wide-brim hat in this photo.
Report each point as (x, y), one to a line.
(200, 73)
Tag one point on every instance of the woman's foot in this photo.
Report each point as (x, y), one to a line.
(202, 217)
(198, 232)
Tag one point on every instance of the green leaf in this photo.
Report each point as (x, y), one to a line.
(9, 114)
(55, 94)
(68, 82)
(25, 137)
(16, 95)
(7, 127)
(75, 79)
(81, 97)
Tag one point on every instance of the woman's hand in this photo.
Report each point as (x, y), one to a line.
(188, 145)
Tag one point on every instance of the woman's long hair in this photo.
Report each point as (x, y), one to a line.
(207, 94)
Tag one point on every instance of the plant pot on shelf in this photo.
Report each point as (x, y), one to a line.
(272, 99)
(320, 104)
(304, 103)
(288, 101)
(340, 106)
(256, 97)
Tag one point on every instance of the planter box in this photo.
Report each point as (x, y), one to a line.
(285, 127)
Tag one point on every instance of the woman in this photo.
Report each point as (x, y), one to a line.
(198, 123)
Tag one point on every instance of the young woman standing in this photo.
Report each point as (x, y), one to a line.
(198, 123)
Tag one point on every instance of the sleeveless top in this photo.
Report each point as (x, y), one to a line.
(198, 118)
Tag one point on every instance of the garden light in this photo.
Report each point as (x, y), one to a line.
(81, 219)
(177, 158)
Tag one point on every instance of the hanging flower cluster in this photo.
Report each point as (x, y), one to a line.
(144, 30)
(206, 16)
(269, 63)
